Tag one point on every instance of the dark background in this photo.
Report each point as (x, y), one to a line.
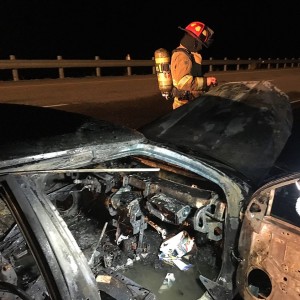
(40, 29)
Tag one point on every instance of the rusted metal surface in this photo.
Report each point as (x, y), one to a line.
(269, 249)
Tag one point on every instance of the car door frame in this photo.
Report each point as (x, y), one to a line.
(58, 257)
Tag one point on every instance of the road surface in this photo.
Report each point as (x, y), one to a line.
(129, 100)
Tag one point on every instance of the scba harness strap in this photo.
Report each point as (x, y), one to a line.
(182, 94)
(186, 51)
(196, 71)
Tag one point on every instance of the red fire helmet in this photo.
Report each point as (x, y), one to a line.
(200, 32)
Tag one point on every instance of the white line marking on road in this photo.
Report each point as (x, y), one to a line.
(55, 105)
(294, 101)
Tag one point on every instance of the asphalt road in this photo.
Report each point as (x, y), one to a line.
(129, 100)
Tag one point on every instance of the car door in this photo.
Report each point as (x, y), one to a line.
(269, 243)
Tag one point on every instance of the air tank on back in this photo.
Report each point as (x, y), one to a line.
(163, 72)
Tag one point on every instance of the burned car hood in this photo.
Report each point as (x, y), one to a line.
(29, 130)
(244, 125)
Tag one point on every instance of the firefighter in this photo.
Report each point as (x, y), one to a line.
(188, 77)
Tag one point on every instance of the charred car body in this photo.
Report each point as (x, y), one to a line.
(84, 201)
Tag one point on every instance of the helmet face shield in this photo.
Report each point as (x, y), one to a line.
(200, 32)
(206, 36)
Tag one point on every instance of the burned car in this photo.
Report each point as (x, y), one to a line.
(207, 194)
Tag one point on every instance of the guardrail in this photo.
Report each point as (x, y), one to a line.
(127, 65)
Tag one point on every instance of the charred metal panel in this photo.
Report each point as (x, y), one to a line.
(245, 125)
(54, 131)
(168, 209)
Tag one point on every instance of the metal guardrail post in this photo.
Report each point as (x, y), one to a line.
(269, 65)
(277, 65)
(153, 68)
(238, 65)
(259, 64)
(128, 68)
(249, 65)
(225, 65)
(60, 70)
(15, 73)
(284, 65)
(98, 70)
(210, 66)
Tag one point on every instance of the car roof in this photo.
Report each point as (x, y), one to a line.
(30, 130)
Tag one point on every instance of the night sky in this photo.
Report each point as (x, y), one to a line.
(39, 29)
